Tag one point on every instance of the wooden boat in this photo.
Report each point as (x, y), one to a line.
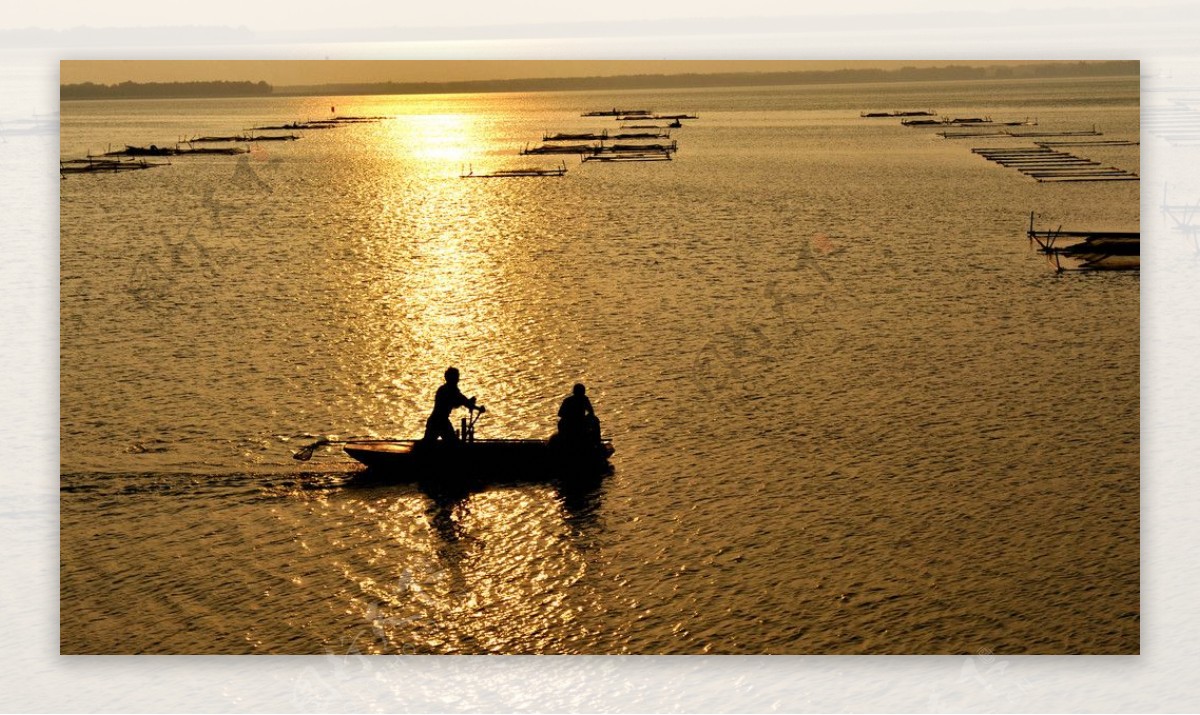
(468, 460)
(485, 460)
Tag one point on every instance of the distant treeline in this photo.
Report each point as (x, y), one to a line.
(133, 90)
(737, 79)
(164, 90)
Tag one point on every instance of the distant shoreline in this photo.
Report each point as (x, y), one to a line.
(949, 73)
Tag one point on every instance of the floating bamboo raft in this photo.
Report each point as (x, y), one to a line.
(1093, 132)
(972, 135)
(1049, 165)
(1096, 142)
(639, 148)
(630, 156)
(295, 125)
(623, 146)
(559, 149)
(656, 117)
(522, 173)
(1088, 250)
(1020, 135)
(985, 122)
(899, 113)
(320, 123)
(124, 159)
(641, 135)
(244, 138)
(633, 152)
(604, 136)
(154, 150)
(585, 136)
(93, 165)
(614, 112)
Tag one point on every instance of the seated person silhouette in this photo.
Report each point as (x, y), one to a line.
(577, 421)
(448, 398)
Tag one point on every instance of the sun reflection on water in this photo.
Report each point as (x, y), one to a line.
(493, 571)
(442, 276)
(435, 137)
(444, 271)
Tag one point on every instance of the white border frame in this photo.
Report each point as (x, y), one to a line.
(34, 677)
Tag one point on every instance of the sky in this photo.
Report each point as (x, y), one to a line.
(286, 72)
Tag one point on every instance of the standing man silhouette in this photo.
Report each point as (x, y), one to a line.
(448, 398)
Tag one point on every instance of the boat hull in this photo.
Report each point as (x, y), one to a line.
(482, 460)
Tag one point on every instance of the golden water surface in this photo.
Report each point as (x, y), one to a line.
(853, 412)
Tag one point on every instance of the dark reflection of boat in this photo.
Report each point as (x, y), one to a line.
(481, 461)
(450, 499)
(449, 474)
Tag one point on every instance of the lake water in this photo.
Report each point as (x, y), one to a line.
(853, 411)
